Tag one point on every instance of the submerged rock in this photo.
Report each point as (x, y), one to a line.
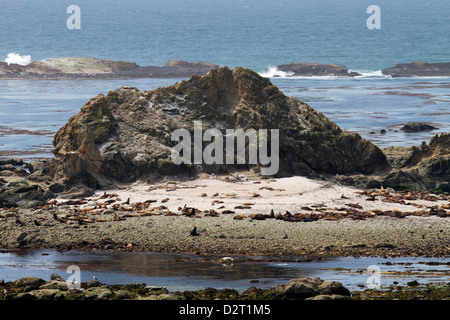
(417, 127)
(126, 135)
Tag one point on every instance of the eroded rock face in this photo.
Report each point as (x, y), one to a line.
(431, 163)
(126, 135)
(426, 167)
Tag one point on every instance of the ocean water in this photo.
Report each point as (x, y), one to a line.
(248, 33)
(257, 34)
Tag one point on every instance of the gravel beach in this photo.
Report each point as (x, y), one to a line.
(225, 220)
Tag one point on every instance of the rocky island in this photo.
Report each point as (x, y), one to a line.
(75, 68)
(93, 68)
(419, 69)
(316, 69)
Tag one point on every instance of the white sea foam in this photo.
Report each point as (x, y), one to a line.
(272, 72)
(18, 59)
(370, 74)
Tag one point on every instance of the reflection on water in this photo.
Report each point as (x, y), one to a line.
(191, 272)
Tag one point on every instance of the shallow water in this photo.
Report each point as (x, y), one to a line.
(192, 272)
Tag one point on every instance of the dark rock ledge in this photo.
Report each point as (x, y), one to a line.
(31, 288)
(316, 69)
(418, 69)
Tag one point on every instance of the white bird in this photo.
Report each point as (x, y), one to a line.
(94, 277)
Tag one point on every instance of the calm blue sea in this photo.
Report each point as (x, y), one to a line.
(248, 33)
(256, 34)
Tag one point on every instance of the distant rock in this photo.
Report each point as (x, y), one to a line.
(419, 69)
(74, 67)
(64, 67)
(417, 127)
(186, 65)
(315, 69)
(174, 69)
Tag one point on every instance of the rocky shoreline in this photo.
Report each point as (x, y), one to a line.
(31, 288)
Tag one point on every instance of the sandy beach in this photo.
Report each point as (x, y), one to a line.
(233, 216)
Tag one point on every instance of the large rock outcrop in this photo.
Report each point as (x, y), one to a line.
(427, 166)
(424, 167)
(126, 135)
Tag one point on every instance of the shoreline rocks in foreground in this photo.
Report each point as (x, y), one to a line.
(32, 288)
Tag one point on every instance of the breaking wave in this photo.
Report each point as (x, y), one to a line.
(370, 74)
(18, 59)
(272, 72)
